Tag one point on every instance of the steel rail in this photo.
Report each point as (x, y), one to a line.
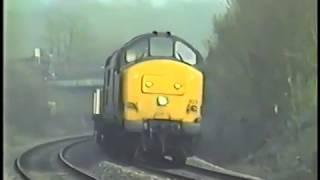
(161, 172)
(71, 166)
(22, 170)
(220, 173)
(191, 172)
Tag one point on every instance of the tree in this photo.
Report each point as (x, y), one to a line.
(263, 67)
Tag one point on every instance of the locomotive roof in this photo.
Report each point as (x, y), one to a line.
(148, 36)
(162, 34)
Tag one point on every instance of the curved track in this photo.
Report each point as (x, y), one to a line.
(70, 158)
(79, 171)
(42, 161)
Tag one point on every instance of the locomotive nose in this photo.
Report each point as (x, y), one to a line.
(162, 90)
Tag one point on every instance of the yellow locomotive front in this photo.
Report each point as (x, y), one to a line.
(162, 90)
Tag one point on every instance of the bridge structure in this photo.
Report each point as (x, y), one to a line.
(76, 83)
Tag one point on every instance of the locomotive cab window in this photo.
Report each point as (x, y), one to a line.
(184, 53)
(161, 46)
(137, 50)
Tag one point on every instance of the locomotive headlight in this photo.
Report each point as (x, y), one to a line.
(162, 100)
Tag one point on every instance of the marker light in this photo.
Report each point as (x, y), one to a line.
(148, 84)
(177, 86)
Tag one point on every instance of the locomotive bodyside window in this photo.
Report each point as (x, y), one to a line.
(184, 53)
(108, 76)
(161, 46)
(108, 61)
(106, 85)
(138, 50)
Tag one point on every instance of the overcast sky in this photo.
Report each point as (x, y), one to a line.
(155, 3)
(194, 23)
(163, 3)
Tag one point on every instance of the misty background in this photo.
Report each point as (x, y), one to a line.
(261, 90)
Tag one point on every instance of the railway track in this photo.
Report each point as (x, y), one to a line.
(220, 173)
(190, 172)
(47, 160)
(52, 158)
(79, 171)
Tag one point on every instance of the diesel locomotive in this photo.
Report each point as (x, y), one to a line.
(151, 99)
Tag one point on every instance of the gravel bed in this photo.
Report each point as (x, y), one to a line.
(109, 170)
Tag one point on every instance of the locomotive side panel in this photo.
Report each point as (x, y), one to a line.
(110, 101)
